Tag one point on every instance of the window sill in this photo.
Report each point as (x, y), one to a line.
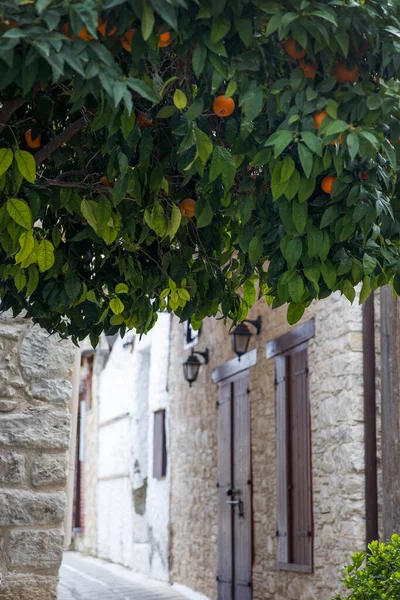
(293, 567)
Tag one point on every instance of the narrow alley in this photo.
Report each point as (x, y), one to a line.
(86, 578)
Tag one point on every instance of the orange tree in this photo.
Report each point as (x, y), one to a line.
(180, 155)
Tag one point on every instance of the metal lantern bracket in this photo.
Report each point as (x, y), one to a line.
(256, 323)
(204, 354)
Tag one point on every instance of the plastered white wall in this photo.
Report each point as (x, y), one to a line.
(132, 507)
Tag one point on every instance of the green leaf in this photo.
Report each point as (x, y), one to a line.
(249, 293)
(245, 30)
(252, 105)
(288, 167)
(20, 212)
(6, 158)
(329, 274)
(371, 138)
(121, 288)
(306, 159)
(329, 216)
(280, 140)
(222, 163)
(147, 21)
(26, 165)
(33, 280)
(365, 290)
(336, 127)
(343, 40)
(20, 280)
(294, 313)
(199, 59)
(204, 218)
(204, 145)
(158, 223)
(306, 188)
(348, 290)
(88, 208)
(312, 141)
(174, 221)
(231, 89)
(314, 240)
(296, 288)
(353, 145)
(262, 158)
(45, 255)
(292, 186)
(116, 306)
(72, 286)
(27, 244)
(374, 102)
(127, 123)
(300, 214)
(139, 86)
(220, 27)
(369, 264)
(180, 99)
(293, 252)
(255, 250)
(166, 112)
(195, 109)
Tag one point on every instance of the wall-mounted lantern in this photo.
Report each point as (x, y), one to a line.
(192, 366)
(241, 336)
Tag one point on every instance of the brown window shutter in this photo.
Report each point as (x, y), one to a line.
(159, 446)
(282, 459)
(300, 497)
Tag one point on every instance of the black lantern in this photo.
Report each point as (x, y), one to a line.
(241, 336)
(192, 366)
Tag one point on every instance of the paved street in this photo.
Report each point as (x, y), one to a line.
(85, 578)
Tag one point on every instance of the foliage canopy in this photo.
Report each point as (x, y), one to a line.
(108, 122)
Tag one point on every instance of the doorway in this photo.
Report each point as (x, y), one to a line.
(234, 489)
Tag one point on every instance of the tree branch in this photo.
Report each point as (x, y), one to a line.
(63, 137)
(10, 106)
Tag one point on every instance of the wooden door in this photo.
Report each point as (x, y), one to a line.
(234, 490)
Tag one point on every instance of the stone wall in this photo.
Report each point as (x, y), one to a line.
(336, 396)
(35, 388)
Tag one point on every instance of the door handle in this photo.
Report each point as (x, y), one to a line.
(240, 505)
(232, 501)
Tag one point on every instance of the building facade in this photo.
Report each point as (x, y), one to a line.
(251, 484)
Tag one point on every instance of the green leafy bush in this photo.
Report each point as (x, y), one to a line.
(374, 575)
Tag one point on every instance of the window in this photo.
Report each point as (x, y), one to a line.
(159, 446)
(293, 449)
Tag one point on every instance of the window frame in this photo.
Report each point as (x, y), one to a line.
(281, 349)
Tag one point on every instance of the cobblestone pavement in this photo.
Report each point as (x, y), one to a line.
(86, 578)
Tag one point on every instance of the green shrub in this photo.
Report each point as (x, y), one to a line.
(374, 575)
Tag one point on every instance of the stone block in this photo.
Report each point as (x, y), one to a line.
(12, 468)
(39, 549)
(49, 470)
(29, 587)
(7, 405)
(56, 391)
(44, 356)
(40, 430)
(19, 507)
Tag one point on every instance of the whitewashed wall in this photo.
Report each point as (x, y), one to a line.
(132, 507)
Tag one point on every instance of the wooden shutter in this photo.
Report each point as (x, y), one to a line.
(225, 525)
(159, 446)
(281, 460)
(300, 460)
(242, 567)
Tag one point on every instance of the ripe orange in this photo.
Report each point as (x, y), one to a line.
(102, 27)
(327, 183)
(143, 121)
(187, 207)
(318, 118)
(126, 41)
(338, 141)
(291, 49)
(345, 75)
(106, 182)
(32, 143)
(364, 176)
(83, 34)
(164, 39)
(309, 69)
(223, 107)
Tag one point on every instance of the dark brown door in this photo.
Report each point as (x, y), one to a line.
(234, 490)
